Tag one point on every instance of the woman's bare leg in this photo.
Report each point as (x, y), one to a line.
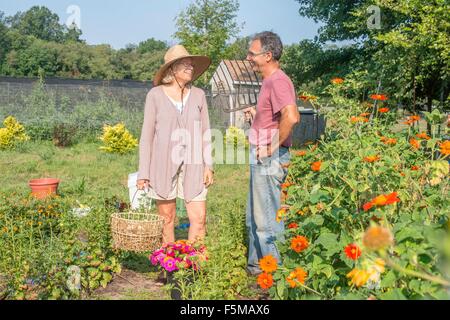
(196, 211)
(167, 209)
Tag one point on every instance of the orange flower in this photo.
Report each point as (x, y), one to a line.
(293, 225)
(268, 264)
(300, 153)
(366, 114)
(265, 280)
(299, 243)
(298, 275)
(372, 159)
(379, 97)
(286, 185)
(414, 143)
(358, 119)
(411, 120)
(316, 166)
(384, 110)
(352, 251)
(377, 238)
(423, 136)
(337, 81)
(445, 147)
(307, 98)
(382, 200)
(389, 141)
(291, 280)
(415, 168)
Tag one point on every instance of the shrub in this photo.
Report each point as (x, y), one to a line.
(235, 137)
(12, 133)
(64, 134)
(117, 139)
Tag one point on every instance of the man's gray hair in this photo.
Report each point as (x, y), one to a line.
(270, 42)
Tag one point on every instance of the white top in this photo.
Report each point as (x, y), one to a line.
(179, 105)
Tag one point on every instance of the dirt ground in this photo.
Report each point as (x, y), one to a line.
(132, 285)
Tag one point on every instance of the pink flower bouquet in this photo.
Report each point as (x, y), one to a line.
(179, 255)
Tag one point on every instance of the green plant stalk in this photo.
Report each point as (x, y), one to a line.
(412, 273)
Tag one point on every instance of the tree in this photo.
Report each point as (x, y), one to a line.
(309, 61)
(151, 45)
(345, 20)
(421, 45)
(72, 34)
(205, 28)
(39, 22)
(408, 53)
(5, 41)
(238, 49)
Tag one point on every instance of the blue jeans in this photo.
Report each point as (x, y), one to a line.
(266, 178)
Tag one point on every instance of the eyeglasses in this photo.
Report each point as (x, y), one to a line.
(186, 65)
(252, 54)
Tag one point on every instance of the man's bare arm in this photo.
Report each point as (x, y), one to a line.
(289, 118)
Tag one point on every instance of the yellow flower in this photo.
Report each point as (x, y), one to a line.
(358, 277)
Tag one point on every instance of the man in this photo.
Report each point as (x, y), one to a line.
(270, 138)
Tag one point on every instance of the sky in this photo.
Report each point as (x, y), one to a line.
(119, 23)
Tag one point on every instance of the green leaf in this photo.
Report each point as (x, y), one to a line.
(319, 196)
(316, 220)
(388, 280)
(408, 232)
(327, 270)
(393, 294)
(281, 289)
(329, 242)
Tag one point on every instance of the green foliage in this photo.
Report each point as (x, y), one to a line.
(151, 45)
(206, 26)
(12, 133)
(329, 208)
(309, 61)
(235, 137)
(42, 241)
(117, 139)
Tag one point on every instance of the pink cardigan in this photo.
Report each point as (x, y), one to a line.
(161, 119)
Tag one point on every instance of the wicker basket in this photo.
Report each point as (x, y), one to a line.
(137, 232)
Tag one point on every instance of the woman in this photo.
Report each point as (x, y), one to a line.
(175, 158)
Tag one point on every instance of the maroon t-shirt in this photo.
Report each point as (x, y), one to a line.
(277, 92)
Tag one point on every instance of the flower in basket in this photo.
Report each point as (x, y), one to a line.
(178, 255)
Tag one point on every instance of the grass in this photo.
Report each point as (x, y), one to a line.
(90, 176)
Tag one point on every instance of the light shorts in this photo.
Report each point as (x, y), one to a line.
(177, 189)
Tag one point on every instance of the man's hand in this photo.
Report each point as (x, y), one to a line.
(249, 113)
(263, 152)
(208, 178)
(143, 184)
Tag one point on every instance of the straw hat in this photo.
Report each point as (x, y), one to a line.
(176, 53)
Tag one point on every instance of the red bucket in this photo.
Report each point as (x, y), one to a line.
(42, 188)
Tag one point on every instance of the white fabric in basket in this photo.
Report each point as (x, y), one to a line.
(139, 199)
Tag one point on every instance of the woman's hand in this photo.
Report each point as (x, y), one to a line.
(208, 178)
(143, 184)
